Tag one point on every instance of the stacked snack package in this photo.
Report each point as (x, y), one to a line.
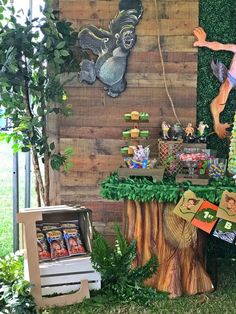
(42, 246)
(56, 241)
(73, 239)
(232, 150)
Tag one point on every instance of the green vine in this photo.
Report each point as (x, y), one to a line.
(145, 189)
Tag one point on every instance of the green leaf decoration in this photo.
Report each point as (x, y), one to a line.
(146, 189)
(206, 215)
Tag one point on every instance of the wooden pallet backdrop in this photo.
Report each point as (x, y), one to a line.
(94, 130)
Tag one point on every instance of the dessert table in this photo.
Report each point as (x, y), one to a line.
(148, 218)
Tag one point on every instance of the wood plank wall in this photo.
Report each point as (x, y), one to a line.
(94, 130)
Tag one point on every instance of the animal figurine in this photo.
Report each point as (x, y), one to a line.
(177, 132)
(226, 77)
(189, 133)
(165, 130)
(201, 132)
(112, 47)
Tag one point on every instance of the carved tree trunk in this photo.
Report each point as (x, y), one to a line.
(178, 245)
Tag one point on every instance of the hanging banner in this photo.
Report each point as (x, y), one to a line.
(227, 207)
(225, 230)
(188, 205)
(205, 219)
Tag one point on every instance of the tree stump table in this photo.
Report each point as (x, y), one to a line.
(178, 245)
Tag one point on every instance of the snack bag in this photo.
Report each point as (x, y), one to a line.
(69, 224)
(57, 245)
(73, 241)
(42, 246)
(50, 226)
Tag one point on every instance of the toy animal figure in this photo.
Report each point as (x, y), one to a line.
(165, 130)
(226, 77)
(177, 132)
(201, 132)
(189, 133)
(112, 47)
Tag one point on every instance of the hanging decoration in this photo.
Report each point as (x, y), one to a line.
(227, 207)
(188, 205)
(163, 65)
(112, 48)
(205, 219)
(225, 230)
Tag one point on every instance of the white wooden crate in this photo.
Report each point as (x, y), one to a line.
(65, 275)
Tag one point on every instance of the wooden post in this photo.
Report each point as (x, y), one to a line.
(177, 244)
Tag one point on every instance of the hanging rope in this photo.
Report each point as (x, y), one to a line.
(163, 66)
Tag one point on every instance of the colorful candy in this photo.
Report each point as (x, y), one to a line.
(217, 169)
(193, 156)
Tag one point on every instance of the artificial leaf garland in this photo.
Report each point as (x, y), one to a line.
(145, 189)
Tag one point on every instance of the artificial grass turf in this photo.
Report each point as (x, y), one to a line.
(223, 300)
(217, 17)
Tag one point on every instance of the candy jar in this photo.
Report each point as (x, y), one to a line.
(217, 168)
(191, 160)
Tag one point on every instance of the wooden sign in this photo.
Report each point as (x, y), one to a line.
(227, 207)
(188, 205)
(205, 219)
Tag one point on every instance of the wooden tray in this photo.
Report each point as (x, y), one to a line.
(154, 173)
(198, 180)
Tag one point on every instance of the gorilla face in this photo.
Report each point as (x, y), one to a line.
(127, 39)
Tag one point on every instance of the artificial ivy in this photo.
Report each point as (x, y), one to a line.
(217, 17)
(146, 189)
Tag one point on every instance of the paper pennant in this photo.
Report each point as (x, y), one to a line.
(227, 207)
(205, 219)
(225, 230)
(188, 205)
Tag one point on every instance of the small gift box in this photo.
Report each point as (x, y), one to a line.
(135, 115)
(134, 132)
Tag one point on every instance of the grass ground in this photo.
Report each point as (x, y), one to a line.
(6, 214)
(223, 300)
